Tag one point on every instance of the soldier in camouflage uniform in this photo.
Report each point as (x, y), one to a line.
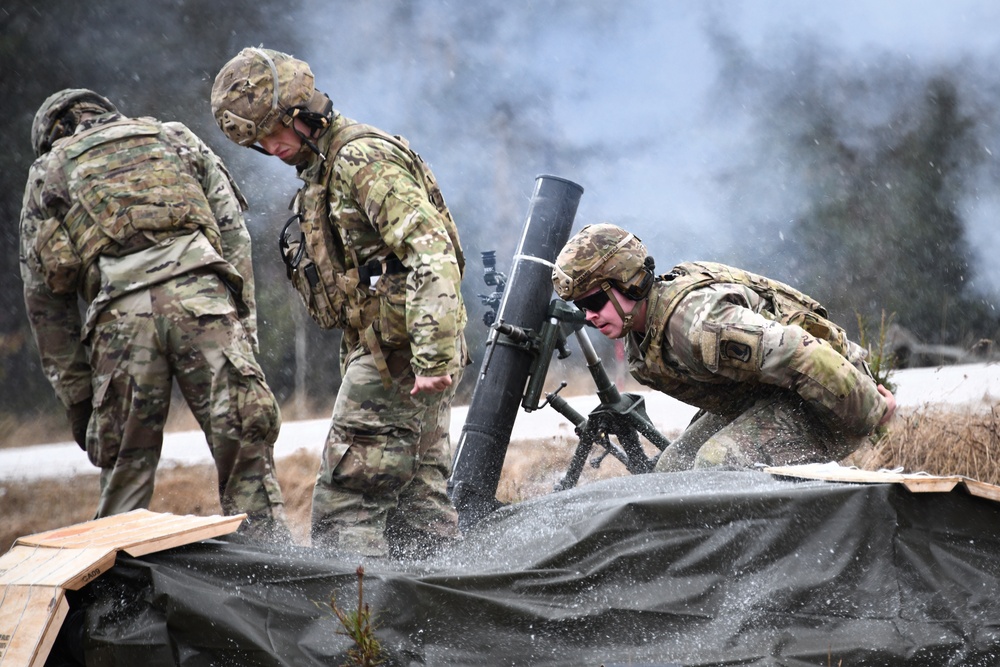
(372, 250)
(776, 382)
(141, 220)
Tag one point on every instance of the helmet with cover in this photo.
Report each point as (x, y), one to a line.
(61, 112)
(599, 254)
(260, 88)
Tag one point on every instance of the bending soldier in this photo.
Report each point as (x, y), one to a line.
(375, 252)
(140, 219)
(776, 382)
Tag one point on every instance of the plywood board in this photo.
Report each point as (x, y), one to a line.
(137, 533)
(44, 566)
(37, 571)
(916, 482)
(30, 618)
(982, 489)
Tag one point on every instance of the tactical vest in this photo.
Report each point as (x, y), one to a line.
(325, 269)
(780, 302)
(129, 190)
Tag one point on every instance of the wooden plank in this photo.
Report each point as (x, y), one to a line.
(36, 572)
(914, 482)
(45, 566)
(138, 532)
(189, 532)
(982, 489)
(930, 483)
(30, 618)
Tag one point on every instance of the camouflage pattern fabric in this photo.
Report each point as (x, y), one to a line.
(381, 485)
(381, 488)
(776, 430)
(151, 196)
(255, 89)
(598, 253)
(63, 338)
(186, 329)
(379, 205)
(717, 349)
(61, 112)
(53, 311)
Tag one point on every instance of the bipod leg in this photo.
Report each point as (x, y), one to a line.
(638, 463)
(575, 467)
(609, 448)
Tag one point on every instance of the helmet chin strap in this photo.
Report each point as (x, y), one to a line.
(312, 120)
(627, 319)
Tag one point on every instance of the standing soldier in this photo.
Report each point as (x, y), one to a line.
(377, 255)
(141, 220)
(776, 382)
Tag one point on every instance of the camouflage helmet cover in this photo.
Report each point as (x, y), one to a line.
(598, 253)
(53, 121)
(254, 91)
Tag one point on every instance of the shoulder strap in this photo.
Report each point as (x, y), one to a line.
(354, 131)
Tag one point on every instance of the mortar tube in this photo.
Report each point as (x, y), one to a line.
(496, 399)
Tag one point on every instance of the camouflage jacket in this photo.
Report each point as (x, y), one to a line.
(66, 254)
(718, 346)
(373, 203)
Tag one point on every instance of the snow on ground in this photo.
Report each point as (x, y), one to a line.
(965, 385)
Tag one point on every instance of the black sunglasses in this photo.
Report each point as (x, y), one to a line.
(593, 303)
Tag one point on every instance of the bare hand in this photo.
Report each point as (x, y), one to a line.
(432, 385)
(890, 401)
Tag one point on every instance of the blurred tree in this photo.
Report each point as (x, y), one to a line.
(885, 231)
(868, 166)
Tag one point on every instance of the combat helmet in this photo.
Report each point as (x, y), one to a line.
(603, 253)
(60, 114)
(604, 256)
(260, 88)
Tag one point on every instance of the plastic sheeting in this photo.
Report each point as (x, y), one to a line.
(709, 568)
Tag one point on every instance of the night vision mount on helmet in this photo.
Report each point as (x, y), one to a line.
(260, 88)
(60, 113)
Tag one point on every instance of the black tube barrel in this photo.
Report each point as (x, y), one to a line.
(496, 398)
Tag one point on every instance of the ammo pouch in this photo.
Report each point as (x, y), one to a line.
(322, 286)
(334, 295)
(326, 306)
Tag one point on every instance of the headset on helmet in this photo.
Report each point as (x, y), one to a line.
(60, 114)
(260, 88)
(603, 253)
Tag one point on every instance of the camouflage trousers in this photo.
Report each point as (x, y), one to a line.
(185, 329)
(381, 487)
(780, 429)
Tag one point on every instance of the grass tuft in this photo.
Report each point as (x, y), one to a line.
(358, 625)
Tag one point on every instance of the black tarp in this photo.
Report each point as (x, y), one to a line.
(709, 568)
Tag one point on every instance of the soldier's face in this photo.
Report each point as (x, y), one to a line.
(606, 318)
(285, 144)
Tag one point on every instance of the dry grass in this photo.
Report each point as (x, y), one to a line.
(932, 440)
(532, 467)
(939, 441)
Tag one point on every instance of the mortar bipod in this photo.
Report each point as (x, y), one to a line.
(621, 415)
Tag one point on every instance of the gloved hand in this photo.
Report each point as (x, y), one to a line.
(79, 418)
